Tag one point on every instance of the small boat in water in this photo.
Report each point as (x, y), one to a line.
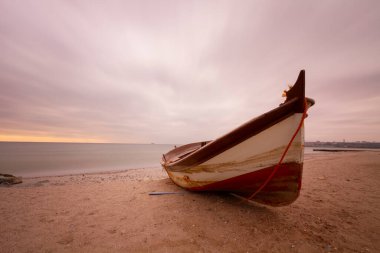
(261, 160)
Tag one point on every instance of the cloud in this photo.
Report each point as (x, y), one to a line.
(179, 71)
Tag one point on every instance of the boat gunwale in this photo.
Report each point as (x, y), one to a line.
(227, 141)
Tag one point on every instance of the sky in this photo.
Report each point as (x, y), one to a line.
(184, 71)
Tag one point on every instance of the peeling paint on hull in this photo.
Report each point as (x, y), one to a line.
(283, 189)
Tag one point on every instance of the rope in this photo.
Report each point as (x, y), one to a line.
(282, 157)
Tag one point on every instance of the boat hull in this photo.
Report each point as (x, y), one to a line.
(243, 168)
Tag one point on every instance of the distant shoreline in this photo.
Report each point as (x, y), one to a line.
(345, 145)
(340, 150)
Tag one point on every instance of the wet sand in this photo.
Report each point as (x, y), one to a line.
(338, 211)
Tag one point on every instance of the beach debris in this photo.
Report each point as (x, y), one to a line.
(41, 183)
(8, 179)
(164, 193)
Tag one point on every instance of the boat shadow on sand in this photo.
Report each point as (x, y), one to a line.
(217, 201)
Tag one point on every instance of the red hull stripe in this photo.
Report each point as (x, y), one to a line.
(287, 179)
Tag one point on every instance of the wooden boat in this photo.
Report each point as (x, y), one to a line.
(260, 160)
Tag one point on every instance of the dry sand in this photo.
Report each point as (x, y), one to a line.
(338, 211)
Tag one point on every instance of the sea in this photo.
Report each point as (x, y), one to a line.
(35, 159)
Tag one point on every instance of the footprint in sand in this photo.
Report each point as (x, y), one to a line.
(112, 231)
(67, 239)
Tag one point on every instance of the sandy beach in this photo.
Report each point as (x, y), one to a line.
(338, 211)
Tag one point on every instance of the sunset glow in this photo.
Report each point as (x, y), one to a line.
(28, 138)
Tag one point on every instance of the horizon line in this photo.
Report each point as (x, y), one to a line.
(154, 143)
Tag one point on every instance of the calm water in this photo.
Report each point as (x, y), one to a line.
(30, 159)
(45, 159)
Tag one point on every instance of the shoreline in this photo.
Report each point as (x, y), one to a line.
(337, 211)
(91, 173)
(136, 174)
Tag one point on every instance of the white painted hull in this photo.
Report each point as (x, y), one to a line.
(260, 151)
